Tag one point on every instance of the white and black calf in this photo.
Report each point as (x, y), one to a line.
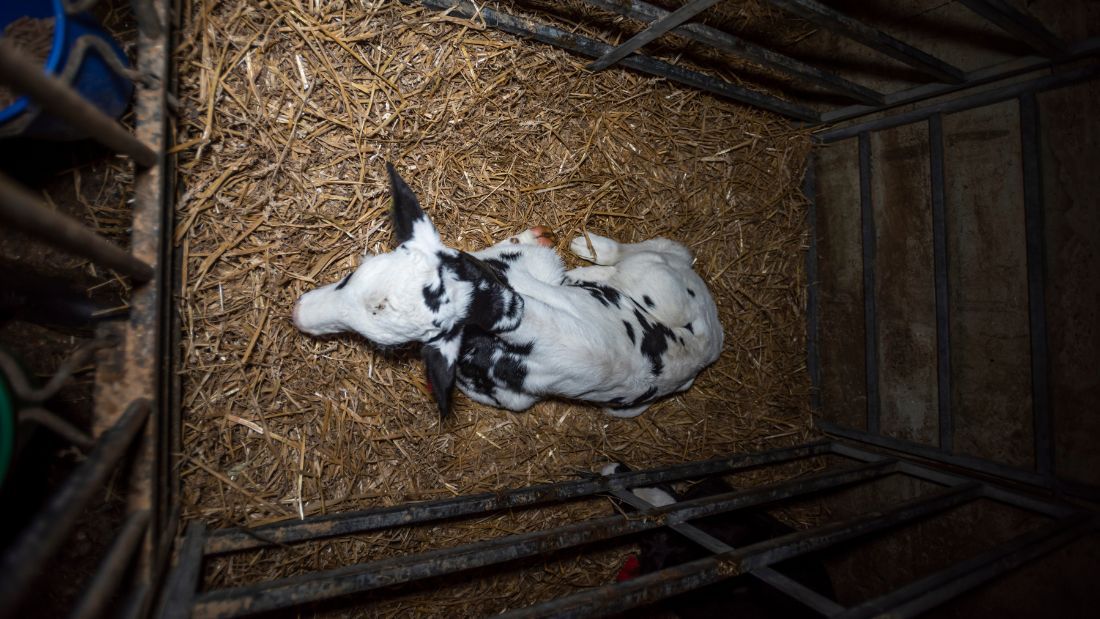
(515, 327)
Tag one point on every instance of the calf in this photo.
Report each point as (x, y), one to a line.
(513, 326)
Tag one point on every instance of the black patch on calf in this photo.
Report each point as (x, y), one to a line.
(494, 306)
(655, 338)
(511, 367)
(606, 295)
(441, 375)
(406, 208)
(344, 282)
(433, 296)
(488, 363)
(645, 398)
(499, 266)
(630, 332)
(691, 292)
(510, 256)
(642, 399)
(690, 328)
(648, 301)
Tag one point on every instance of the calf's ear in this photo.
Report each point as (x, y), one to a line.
(410, 223)
(439, 362)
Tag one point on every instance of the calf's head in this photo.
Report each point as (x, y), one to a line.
(422, 291)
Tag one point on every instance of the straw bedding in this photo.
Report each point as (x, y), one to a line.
(289, 110)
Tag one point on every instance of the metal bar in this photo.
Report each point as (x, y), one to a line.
(108, 575)
(1036, 285)
(939, 250)
(27, 555)
(183, 581)
(870, 325)
(976, 464)
(937, 476)
(231, 540)
(813, 290)
(1019, 24)
(979, 77)
(806, 73)
(920, 596)
(674, 580)
(932, 453)
(875, 39)
(143, 361)
(367, 576)
(54, 96)
(655, 30)
(781, 582)
(594, 49)
(25, 212)
(988, 97)
(135, 604)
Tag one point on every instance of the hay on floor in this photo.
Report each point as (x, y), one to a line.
(289, 111)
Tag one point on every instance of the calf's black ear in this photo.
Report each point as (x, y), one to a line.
(406, 208)
(441, 376)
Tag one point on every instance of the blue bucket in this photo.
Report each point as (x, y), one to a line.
(82, 55)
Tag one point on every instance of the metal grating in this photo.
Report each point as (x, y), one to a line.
(188, 597)
(140, 419)
(133, 423)
(1025, 94)
(943, 77)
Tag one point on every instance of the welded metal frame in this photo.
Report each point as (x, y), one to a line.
(186, 595)
(133, 426)
(943, 77)
(1026, 94)
(138, 417)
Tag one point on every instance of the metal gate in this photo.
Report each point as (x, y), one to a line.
(873, 111)
(135, 427)
(136, 396)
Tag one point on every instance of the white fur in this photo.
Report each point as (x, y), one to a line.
(579, 347)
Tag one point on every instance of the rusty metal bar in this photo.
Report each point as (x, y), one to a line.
(1010, 68)
(735, 46)
(24, 211)
(57, 98)
(232, 540)
(938, 476)
(367, 576)
(870, 312)
(943, 301)
(654, 31)
(1019, 24)
(678, 579)
(143, 362)
(877, 40)
(986, 97)
(781, 582)
(813, 287)
(183, 582)
(25, 558)
(920, 596)
(592, 48)
(1030, 143)
(109, 573)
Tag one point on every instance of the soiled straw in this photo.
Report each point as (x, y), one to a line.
(290, 109)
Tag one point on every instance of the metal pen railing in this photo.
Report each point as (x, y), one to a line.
(187, 595)
(125, 426)
(943, 77)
